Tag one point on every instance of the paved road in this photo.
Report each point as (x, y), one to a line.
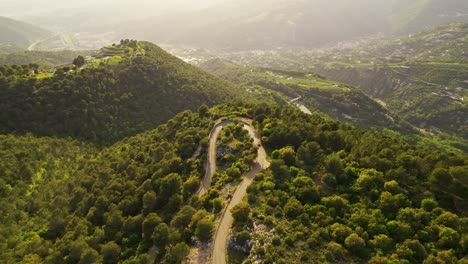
(219, 250)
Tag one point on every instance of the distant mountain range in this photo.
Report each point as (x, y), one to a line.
(19, 33)
(299, 23)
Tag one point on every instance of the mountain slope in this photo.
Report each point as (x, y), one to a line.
(112, 97)
(446, 43)
(414, 16)
(135, 202)
(20, 33)
(421, 77)
(339, 101)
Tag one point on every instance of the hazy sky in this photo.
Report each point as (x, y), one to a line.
(132, 8)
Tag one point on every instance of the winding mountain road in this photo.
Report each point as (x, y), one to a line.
(210, 167)
(219, 248)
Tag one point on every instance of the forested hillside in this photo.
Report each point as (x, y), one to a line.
(419, 78)
(65, 202)
(428, 95)
(20, 33)
(131, 88)
(337, 100)
(342, 195)
(42, 58)
(334, 193)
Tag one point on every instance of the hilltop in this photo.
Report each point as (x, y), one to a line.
(126, 89)
(20, 33)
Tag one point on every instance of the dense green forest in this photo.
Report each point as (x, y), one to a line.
(108, 99)
(333, 193)
(102, 155)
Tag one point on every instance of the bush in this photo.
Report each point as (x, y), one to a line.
(241, 212)
(276, 241)
(204, 230)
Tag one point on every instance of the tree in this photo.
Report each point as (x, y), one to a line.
(170, 185)
(149, 201)
(368, 180)
(160, 235)
(309, 154)
(241, 212)
(89, 256)
(150, 222)
(288, 155)
(204, 229)
(448, 238)
(440, 177)
(242, 238)
(183, 217)
(293, 208)
(382, 242)
(110, 252)
(79, 61)
(334, 165)
(203, 110)
(355, 243)
(279, 170)
(177, 254)
(443, 256)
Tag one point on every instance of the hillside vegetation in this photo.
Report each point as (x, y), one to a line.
(20, 33)
(339, 101)
(429, 95)
(337, 194)
(420, 78)
(130, 88)
(334, 193)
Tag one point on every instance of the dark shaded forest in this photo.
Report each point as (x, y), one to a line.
(104, 103)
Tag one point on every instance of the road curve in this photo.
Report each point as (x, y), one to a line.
(210, 166)
(219, 249)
